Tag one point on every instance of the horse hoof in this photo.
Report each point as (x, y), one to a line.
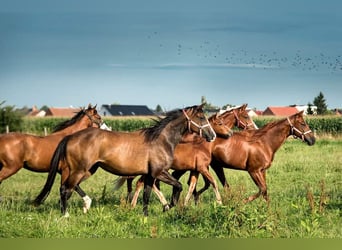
(166, 208)
(66, 215)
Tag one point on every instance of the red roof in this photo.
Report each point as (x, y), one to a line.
(62, 112)
(280, 111)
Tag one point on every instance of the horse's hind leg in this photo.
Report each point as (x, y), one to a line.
(65, 194)
(86, 199)
(259, 178)
(67, 186)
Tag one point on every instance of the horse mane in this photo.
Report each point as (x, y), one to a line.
(70, 122)
(153, 132)
(254, 135)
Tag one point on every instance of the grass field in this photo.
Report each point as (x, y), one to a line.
(304, 185)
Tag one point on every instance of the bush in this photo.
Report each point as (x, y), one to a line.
(10, 117)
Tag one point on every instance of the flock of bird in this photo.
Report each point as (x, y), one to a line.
(218, 53)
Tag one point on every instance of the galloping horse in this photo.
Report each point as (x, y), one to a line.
(254, 150)
(146, 152)
(34, 153)
(195, 155)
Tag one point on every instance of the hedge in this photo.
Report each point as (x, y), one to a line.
(319, 124)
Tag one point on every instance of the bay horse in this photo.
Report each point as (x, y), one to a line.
(145, 152)
(34, 153)
(194, 155)
(253, 151)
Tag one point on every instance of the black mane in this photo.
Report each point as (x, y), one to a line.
(153, 132)
(70, 122)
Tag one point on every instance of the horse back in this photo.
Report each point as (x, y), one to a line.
(116, 152)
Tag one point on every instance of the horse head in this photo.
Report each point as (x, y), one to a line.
(300, 129)
(198, 122)
(221, 127)
(94, 118)
(242, 118)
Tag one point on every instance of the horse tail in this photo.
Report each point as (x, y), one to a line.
(59, 154)
(119, 182)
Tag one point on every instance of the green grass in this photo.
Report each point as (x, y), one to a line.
(304, 185)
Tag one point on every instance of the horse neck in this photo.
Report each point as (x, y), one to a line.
(174, 132)
(277, 135)
(77, 126)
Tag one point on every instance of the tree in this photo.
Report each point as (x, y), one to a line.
(207, 105)
(10, 117)
(309, 111)
(320, 103)
(159, 109)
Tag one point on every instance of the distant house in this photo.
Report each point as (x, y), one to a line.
(62, 112)
(34, 111)
(253, 113)
(337, 111)
(305, 108)
(125, 110)
(280, 111)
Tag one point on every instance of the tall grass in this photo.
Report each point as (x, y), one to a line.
(304, 185)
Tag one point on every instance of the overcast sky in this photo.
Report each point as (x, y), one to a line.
(264, 53)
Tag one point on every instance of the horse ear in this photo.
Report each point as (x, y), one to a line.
(244, 106)
(89, 106)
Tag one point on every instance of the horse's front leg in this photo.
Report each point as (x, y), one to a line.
(148, 182)
(166, 177)
(138, 187)
(192, 185)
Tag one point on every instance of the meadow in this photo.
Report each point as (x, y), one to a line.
(304, 185)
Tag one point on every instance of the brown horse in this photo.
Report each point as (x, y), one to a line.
(195, 154)
(253, 150)
(146, 152)
(34, 153)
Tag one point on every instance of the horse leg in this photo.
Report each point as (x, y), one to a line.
(8, 169)
(166, 177)
(160, 195)
(129, 189)
(192, 184)
(148, 182)
(67, 186)
(259, 178)
(86, 199)
(198, 193)
(65, 194)
(209, 178)
(176, 174)
(220, 174)
(139, 186)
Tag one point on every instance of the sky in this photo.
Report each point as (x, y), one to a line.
(170, 53)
